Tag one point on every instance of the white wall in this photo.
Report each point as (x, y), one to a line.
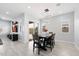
(24, 27)
(5, 26)
(76, 25)
(54, 25)
(20, 19)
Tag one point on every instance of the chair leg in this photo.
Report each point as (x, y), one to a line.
(38, 49)
(51, 47)
(54, 42)
(33, 47)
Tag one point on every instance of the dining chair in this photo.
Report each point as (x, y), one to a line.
(53, 38)
(36, 43)
(50, 42)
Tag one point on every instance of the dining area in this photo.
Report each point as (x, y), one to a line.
(43, 41)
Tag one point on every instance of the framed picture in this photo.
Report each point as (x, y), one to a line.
(14, 26)
(65, 27)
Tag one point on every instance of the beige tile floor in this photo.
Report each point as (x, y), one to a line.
(10, 48)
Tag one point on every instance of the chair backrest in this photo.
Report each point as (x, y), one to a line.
(53, 36)
(50, 37)
(35, 37)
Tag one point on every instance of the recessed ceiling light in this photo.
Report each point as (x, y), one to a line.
(58, 4)
(7, 12)
(28, 6)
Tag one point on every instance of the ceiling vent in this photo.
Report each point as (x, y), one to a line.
(46, 10)
(30, 22)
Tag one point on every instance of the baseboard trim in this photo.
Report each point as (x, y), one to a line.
(69, 42)
(64, 41)
(76, 46)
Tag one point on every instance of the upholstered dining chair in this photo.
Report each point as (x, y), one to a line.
(36, 43)
(50, 42)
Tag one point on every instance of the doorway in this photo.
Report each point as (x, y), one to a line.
(31, 30)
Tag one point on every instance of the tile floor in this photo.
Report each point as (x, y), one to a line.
(10, 48)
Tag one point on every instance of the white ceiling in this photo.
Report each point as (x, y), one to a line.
(37, 9)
